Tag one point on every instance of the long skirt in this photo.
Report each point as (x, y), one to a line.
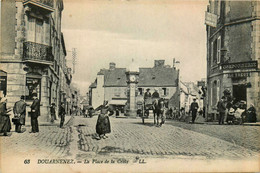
(103, 124)
(5, 124)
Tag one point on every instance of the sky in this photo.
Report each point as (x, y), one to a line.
(104, 31)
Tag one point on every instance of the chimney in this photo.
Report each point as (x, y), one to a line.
(173, 62)
(159, 63)
(112, 66)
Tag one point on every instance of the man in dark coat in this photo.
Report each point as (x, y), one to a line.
(221, 109)
(35, 112)
(19, 111)
(155, 94)
(193, 109)
(62, 114)
(147, 94)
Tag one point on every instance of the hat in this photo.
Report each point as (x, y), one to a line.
(53, 104)
(194, 98)
(147, 89)
(34, 94)
(22, 97)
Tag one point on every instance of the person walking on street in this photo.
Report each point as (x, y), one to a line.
(53, 112)
(103, 123)
(62, 115)
(222, 110)
(193, 109)
(5, 123)
(35, 113)
(19, 112)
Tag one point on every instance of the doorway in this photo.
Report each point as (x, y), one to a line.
(239, 92)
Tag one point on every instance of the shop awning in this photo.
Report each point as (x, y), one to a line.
(117, 102)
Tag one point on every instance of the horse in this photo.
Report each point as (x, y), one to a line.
(159, 111)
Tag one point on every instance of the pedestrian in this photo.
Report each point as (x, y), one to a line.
(156, 94)
(193, 109)
(5, 123)
(35, 113)
(221, 109)
(103, 123)
(174, 113)
(251, 117)
(53, 112)
(19, 113)
(62, 114)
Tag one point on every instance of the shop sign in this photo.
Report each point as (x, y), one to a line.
(201, 83)
(240, 65)
(239, 75)
(211, 19)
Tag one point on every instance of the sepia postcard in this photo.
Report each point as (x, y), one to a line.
(129, 86)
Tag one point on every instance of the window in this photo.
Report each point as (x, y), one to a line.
(3, 79)
(35, 30)
(33, 85)
(140, 90)
(218, 49)
(164, 91)
(211, 52)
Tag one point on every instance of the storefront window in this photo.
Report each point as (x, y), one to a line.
(3, 79)
(33, 85)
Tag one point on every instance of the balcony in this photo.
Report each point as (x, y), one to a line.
(37, 53)
(44, 4)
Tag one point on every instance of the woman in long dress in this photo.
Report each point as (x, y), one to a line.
(5, 123)
(103, 123)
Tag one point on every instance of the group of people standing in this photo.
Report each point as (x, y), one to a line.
(224, 107)
(19, 111)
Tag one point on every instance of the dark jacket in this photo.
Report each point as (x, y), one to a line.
(155, 95)
(20, 108)
(20, 111)
(147, 95)
(35, 107)
(62, 111)
(221, 106)
(194, 106)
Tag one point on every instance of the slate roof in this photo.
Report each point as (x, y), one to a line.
(158, 76)
(115, 77)
(148, 77)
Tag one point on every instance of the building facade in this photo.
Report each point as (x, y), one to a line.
(32, 52)
(111, 84)
(233, 47)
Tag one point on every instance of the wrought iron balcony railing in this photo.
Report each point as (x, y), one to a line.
(44, 2)
(37, 52)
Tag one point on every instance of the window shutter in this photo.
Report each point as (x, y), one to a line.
(218, 49)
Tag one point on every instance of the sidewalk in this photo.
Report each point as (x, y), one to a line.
(56, 122)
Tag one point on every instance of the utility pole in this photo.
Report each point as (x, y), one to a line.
(74, 58)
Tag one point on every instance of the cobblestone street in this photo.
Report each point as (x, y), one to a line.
(130, 136)
(131, 139)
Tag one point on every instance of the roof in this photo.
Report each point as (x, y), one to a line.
(115, 77)
(148, 77)
(94, 84)
(158, 76)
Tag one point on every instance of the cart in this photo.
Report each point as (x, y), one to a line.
(143, 108)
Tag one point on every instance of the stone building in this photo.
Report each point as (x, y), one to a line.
(32, 52)
(111, 84)
(233, 49)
